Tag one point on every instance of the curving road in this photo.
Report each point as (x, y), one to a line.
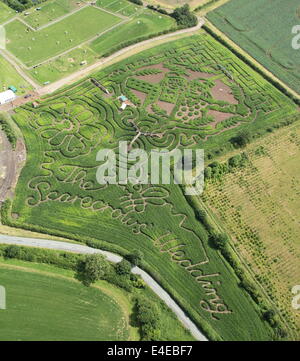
(77, 248)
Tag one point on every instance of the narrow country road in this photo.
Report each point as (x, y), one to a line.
(77, 248)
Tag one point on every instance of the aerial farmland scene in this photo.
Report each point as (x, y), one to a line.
(149, 173)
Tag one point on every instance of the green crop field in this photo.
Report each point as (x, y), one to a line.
(264, 29)
(189, 93)
(9, 76)
(171, 329)
(49, 307)
(29, 46)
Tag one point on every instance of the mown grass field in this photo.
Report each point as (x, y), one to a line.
(5, 13)
(64, 65)
(264, 29)
(47, 306)
(75, 38)
(29, 46)
(144, 24)
(259, 205)
(140, 25)
(58, 192)
(9, 76)
(122, 7)
(50, 11)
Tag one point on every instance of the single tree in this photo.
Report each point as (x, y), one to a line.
(92, 268)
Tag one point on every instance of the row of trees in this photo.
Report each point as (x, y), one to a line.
(95, 267)
(183, 15)
(216, 170)
(21, 5)
(147, 313)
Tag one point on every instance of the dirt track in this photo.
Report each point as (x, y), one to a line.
(10, 164)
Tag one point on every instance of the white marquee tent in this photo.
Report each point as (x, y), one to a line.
(7, 96)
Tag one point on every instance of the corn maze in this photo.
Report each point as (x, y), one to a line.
(179, 96)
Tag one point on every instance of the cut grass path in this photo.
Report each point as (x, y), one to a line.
(69, 247)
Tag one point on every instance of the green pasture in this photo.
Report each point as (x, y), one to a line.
(64, 65)
(29, 46)
(9, 76)
(50, 11)
(122, 7)
(50, 307)
(264, 29)
(171, 329)
(58, 192)
(141, 25)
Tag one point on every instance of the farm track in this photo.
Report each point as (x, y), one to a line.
(10, 163)
(7, 163)
(18, 69)
(76, 248)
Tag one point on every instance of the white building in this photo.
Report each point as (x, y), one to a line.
(7, 96)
